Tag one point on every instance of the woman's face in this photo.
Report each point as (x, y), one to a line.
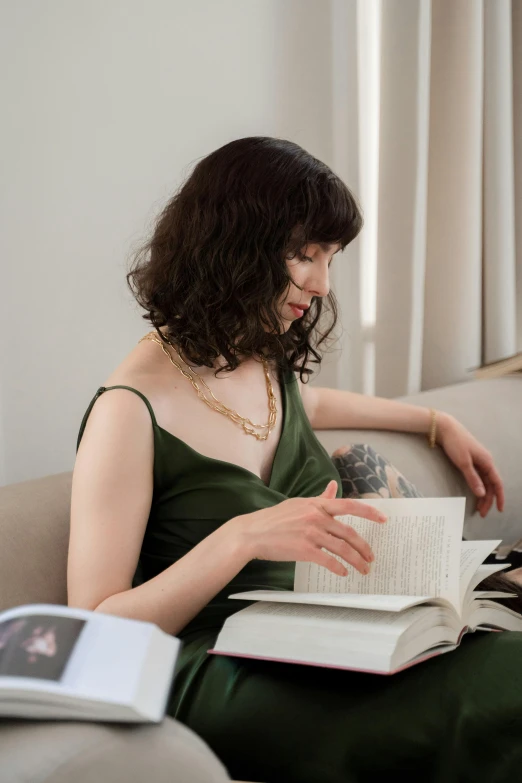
(309, 270)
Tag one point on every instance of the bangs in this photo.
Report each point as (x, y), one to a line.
(330, 215)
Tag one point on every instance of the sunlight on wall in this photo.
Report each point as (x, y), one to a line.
(356, 28)
(368, 34)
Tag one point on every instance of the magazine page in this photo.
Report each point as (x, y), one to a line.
(49, 609)
(37, 641)
(37, 645)
(56, 652)
(417, 552)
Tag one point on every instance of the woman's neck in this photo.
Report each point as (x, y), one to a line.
(246, 366)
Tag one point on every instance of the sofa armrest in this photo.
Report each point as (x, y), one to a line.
(62, 751)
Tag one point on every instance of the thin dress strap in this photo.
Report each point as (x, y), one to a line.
(100, 391)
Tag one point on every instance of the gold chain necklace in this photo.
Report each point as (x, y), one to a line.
(232, 414)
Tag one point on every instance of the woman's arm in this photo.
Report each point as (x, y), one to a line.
(110, 505)
(338, 409)
(176, 595)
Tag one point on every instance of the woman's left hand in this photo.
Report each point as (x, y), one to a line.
(473, 460)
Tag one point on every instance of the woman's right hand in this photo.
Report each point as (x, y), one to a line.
(298, 528)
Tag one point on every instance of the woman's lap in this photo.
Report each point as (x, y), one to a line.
(456, 717)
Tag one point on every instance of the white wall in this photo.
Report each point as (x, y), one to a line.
(107, 105)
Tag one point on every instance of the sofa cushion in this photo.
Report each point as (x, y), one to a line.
(61, 752)
(34, 531)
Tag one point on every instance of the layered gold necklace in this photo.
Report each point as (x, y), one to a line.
(221, 407)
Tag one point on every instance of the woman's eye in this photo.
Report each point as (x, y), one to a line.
(307, 258)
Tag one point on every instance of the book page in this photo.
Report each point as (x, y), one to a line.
(472, 555)
(56, 610)
(380, 603)
(417, 552)
(76, 652)
(487, 614)
(325, 635)
(345, 619)
(38, 645)
(482, 572)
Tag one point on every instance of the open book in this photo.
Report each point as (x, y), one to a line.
(417, 601)
(63, 663)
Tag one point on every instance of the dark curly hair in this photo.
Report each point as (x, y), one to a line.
(214, 270)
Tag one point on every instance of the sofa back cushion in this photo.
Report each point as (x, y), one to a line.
(34, 536)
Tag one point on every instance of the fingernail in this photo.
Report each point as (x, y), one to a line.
(372, 557)
(480, 490)
(382, 518)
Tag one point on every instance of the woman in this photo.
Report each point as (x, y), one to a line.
(167, 520)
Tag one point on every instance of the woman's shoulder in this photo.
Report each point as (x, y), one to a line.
(118, 414)
(142, 369)
(141, 364)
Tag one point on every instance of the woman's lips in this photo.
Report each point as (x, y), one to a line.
(296, 311)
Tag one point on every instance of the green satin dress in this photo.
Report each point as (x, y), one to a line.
(452, 719)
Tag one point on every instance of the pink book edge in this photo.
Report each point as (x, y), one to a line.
(426, 657)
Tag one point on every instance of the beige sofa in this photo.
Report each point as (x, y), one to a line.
(34, 519)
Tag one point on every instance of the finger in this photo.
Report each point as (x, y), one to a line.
(474, 481)
(338, 547)
(494, 489)
(498, 486)
(487, 500)
(490, 473)
(348, 534)
(340, 506)
(500, 496)
(329, 562)
(500, 500)
(490, 496)
(330, 490)
(481, 502)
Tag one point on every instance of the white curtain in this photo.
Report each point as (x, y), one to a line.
(427, 98)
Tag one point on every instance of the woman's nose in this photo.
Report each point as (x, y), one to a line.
(319, 284)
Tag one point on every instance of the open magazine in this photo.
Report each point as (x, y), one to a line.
(417, 601)
(63, 663)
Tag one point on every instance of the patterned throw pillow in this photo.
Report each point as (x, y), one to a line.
(366, 474)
